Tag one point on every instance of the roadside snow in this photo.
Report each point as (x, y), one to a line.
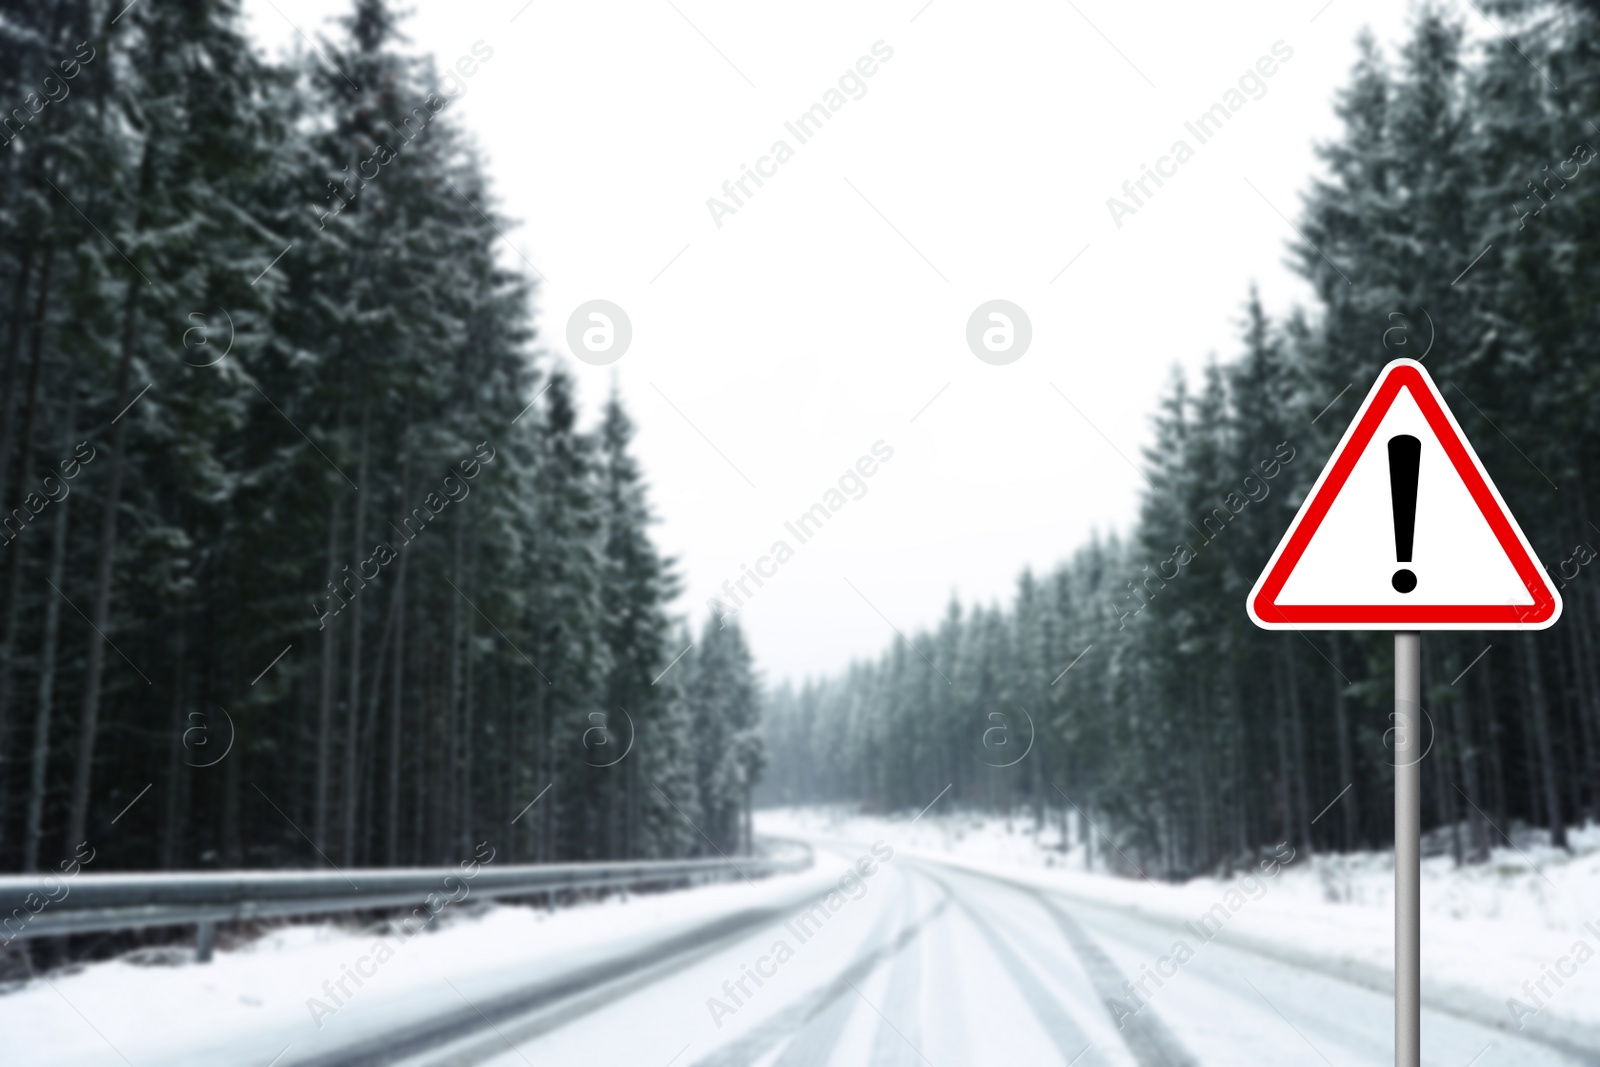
(253, 1004)
(1486, 929)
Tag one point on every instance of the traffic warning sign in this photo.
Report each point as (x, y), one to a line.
(1404, 530)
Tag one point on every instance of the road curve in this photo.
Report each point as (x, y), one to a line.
(920, 963)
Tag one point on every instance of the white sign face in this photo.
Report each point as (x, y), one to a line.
(1404, 531)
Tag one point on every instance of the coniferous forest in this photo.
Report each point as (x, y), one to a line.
(307, 557)
(1456, 222)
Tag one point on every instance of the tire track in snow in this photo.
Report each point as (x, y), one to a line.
(1146, 1036)
(899, 1030)
(1057, 1023)
(797, 1018)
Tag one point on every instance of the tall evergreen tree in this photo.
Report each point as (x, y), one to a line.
(272, 420)
(723, 696)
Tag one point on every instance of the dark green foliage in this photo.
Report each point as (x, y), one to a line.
(724, 703)
(336, 512)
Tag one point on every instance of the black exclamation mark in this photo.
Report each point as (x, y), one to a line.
(1405, 455)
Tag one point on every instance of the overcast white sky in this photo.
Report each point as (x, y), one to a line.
(770, 353)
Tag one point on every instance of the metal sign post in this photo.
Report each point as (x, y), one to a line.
(1406, 535)
(1408, 750)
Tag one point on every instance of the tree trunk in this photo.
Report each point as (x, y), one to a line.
(94, 666)
(466, 717)
(513, 763)
(232, 830)
(426, 750)
(13, 589)
(748, 822)
(1582, 644)
(47, 655)
(1236, 733)
(177, 730)
(1341, 724)
(369, 725)
(1201, 780)
(1467, 758)
(358, 542)
(396, 687)
(544, 824)
(1541, 731)
(453, 712)
(319, 825)
(1445, 799)
(8, 404)
(1494, 734)
(630, 837)
(1084, 834)
(1297, 739)
(1578, 715)
(1530, 768)
(1280, 735)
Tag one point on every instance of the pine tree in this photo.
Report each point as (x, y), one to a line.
(723, 697)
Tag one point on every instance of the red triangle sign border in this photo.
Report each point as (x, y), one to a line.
(1409, 375)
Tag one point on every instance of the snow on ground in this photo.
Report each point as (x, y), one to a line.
(249, 1004)
(1486, 928)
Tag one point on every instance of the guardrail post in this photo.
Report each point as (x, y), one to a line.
(205, 939)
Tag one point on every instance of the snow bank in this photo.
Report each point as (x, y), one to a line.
(258, 1001)
(1491, 933)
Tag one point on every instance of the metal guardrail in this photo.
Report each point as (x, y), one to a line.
(56, 905)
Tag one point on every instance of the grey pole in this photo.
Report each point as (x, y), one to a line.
(205, 939)
(1408, 752)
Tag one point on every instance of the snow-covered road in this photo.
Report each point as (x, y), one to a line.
(881, 956)
(931, 964)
